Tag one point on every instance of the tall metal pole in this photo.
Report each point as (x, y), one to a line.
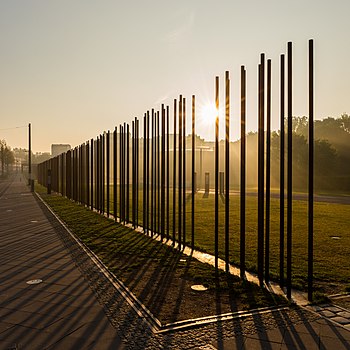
(108, 168)
(261, 172)
(103, 174)
(137, 171)
(120, 173)
(193, 167)
(282, 173)
(127, 164)
(268, 177)
(133, 173)
(162, 225)
(144, 193)
(167, 172)
(152, 174)
(217, 174)
(147, 171)
(92, 179)
(115, 173)
(289, 175)
(180, 172)
(311, 172)
(97, 174)
(87, 154)
(103, 165)
(243, 172)
(158, 173)
(227, 171)
(29, 153)
(174, 173)
(184, 171)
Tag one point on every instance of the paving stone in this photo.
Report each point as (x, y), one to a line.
(333, 343)
(301, 340)
(332, 330)
(327, 313)
(255, 344)
(341, 320)
(334, 309)
(273, 335)
(316, 308)
(345, 314)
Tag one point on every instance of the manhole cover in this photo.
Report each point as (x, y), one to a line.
(37, 281)
(33, 221)
(9, 210)
(199, 287)
(335, 237)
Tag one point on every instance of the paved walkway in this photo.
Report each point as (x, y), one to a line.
(62, 311)
(75, 307)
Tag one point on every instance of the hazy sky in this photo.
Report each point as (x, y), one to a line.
(76, 68)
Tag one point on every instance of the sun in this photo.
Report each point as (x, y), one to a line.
(208, 113)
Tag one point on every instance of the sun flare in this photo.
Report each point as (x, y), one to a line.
(208, 114)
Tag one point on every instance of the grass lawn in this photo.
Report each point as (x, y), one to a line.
(331, 255)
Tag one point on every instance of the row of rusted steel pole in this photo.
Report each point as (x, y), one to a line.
(83, 174)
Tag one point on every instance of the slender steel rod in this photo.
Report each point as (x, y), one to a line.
(282, 171)
(174, 174)
(29, 153)
(261, 171)
(268, 170)
(87, 173)
(162, 180)
(243, 172)
(137, 126)
(167, 173)
(311, 173)
(184, 171)
(152, 174)
(193, 167)
(289, 175)
(180, 173)
(227, 171)
(115, 173)
(127, 164)
(108, 169)
(217, 174)
(103, 166)
(144, 192)
(98, 174)
(147, 172)
(133, 173)
(158, 172)
(120, 173)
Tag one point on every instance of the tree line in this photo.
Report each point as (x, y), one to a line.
(7, 157)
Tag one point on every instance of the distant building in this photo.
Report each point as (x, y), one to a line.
(57, 149)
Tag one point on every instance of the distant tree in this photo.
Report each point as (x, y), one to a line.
(6, 156)
(300, 125)
(325, 158)
(345, 122)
